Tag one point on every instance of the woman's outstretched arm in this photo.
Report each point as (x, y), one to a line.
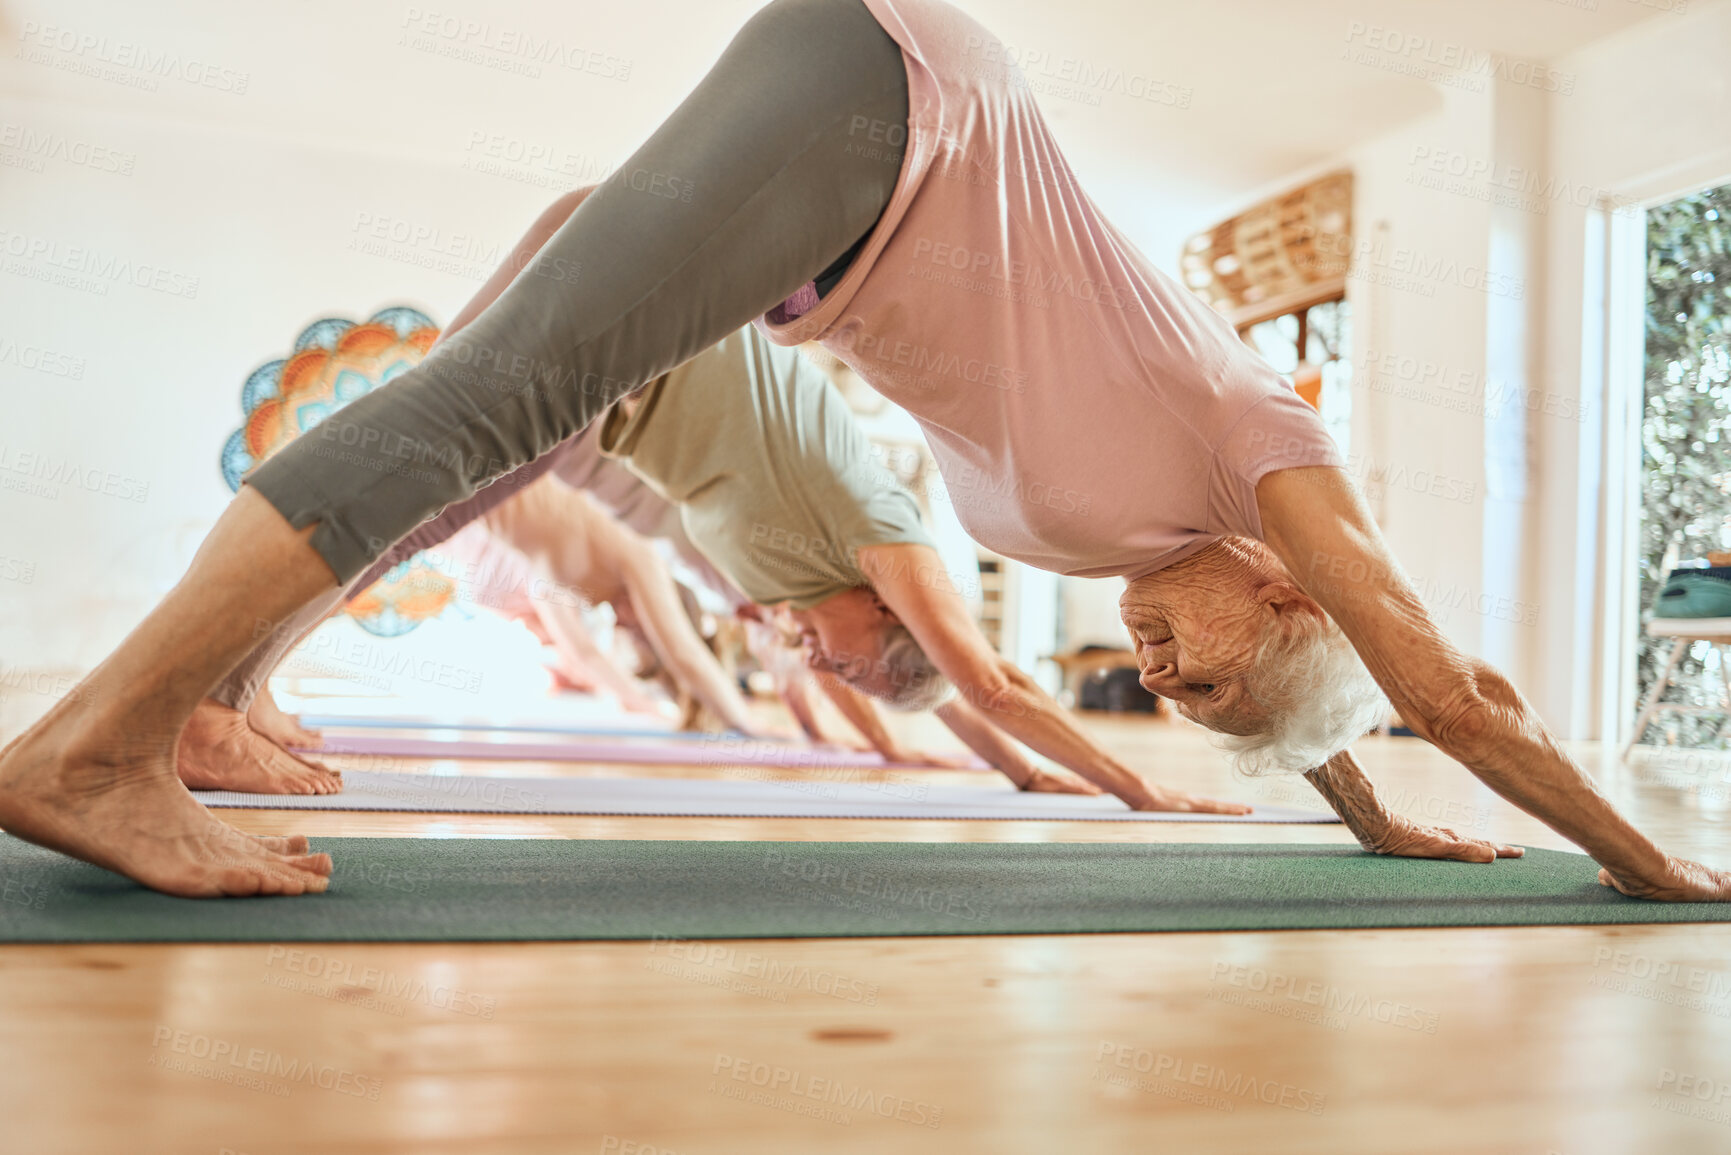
(577, 547)
(660, 613)
(865, 716)
(571, 637)
(1316, 522)
(793, 682)
(912, 582)
(1005, 755)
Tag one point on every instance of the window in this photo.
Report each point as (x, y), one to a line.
(1685, 436)
(1312, 346)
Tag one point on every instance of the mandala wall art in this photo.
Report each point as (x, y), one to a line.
(334, 361)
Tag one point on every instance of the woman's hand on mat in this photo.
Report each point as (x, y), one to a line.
(1404, 838)
(1159, 798)
(565, 681)
(1043, 781)
(926, 758)
(638, 703)
(1679, 881)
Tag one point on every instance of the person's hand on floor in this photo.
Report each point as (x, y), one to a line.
(1405, 838)
(640, 703)
(906, 757)
(844, 745)
(1160, 798)
(770, 732)
(1678, 881)
(565, 682)
(530, 621)
(1046, 781)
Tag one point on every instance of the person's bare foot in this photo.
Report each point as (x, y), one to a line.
(71, 785)
(219, 751)
(267, 718)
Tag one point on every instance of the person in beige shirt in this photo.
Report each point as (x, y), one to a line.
(777, 487)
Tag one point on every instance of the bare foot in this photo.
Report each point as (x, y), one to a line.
(266, 717)
(219, 751)
(67, 785)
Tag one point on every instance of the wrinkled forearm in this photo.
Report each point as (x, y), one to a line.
(1316, 521)
(1482, 722)
(1342, 783)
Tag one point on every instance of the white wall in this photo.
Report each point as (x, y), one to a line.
(256, 231)
(1418, 316)
(260, 170)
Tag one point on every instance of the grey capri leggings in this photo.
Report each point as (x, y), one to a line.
(765, 196)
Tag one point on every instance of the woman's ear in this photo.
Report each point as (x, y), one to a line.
(1284, 598)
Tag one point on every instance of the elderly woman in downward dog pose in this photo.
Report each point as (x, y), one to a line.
(873, 176)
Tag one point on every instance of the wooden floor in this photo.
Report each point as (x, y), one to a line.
(1539, 1040)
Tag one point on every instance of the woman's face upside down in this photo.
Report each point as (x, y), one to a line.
(1198, 626)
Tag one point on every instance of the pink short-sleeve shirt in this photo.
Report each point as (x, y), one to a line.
(1089, 415)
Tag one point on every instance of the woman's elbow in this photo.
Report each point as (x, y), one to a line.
(1476, 710)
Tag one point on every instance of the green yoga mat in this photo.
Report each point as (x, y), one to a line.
(447, 890)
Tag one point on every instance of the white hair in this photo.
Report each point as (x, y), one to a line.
(1318, 694)
(917, 683)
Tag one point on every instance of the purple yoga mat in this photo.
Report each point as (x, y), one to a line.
(720, 751)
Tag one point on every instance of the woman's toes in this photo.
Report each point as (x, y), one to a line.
(249, 882)
(292, 845)
(319, 864)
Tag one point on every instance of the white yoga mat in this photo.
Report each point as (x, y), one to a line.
(612, 728)
(713, 749)
(829, 797)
